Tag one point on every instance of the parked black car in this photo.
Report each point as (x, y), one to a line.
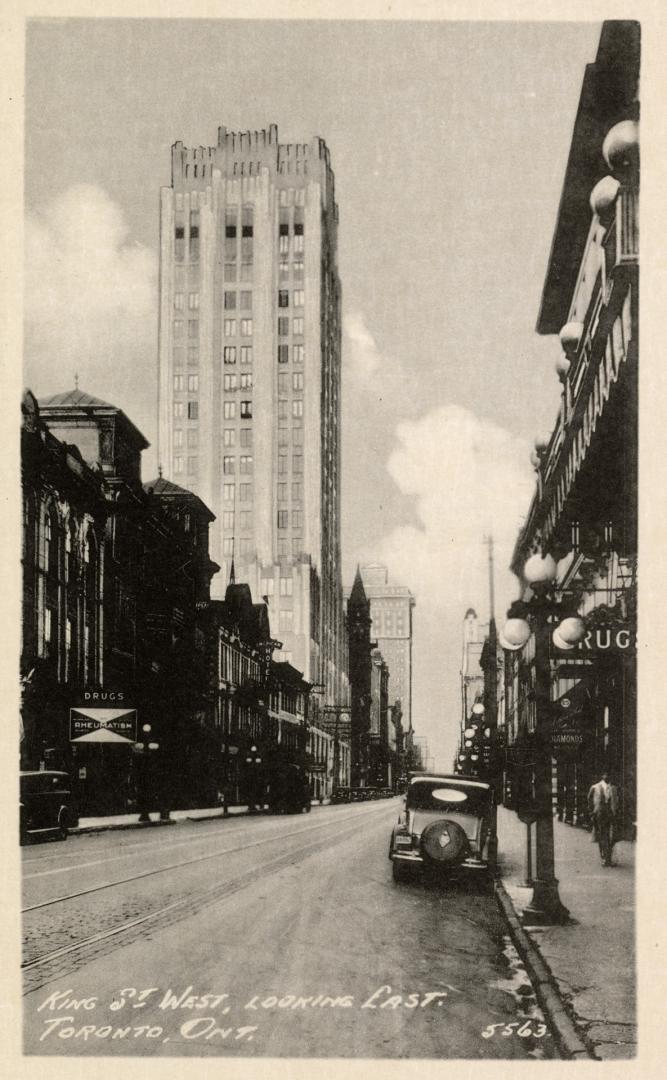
(45, 807)
(448, 823)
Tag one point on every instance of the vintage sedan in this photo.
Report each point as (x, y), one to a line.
(448, 823)
(45, 809)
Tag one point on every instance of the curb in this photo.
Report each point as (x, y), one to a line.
(216, 813)
(115, 826)
(567, 1037)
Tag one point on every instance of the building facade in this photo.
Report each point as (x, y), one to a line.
(114, 577)
(359, 651)
(391, 608)
(584, 512)
(250, 372)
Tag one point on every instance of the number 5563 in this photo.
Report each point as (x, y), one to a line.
(525, 1030)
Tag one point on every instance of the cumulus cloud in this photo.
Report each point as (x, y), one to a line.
(90, 303)
(469, 479)
(365, 366)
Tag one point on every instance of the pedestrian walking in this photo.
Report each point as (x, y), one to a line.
(603, 807)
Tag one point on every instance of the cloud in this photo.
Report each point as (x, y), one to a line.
(469, 478)
(365, 366)
(90, 303)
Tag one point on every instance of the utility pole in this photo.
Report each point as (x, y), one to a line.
(492, 688)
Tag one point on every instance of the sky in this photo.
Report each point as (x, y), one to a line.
(449, 143)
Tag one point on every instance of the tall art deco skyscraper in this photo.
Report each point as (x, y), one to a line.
(249, 375)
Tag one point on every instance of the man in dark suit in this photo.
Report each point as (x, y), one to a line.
(603, 807)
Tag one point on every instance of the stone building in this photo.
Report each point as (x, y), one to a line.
(113, 577)
(391, 608)
(249, 376)
(584, 511)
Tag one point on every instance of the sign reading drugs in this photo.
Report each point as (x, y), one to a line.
(100, 725)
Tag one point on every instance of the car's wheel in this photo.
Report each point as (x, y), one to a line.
(63, 818)
(444, 842)
(400, 872)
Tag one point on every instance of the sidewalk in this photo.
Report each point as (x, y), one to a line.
(591, 961)
(131, 821)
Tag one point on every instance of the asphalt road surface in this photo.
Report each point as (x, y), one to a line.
(265, 936)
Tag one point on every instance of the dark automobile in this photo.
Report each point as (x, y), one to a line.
(341, 795)
(448, 823)
(45, 807)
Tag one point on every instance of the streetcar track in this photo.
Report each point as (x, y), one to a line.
(148, 849)
(230, 828)
(185, 862)
(218, 892)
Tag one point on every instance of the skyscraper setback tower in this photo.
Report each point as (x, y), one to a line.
(249, 375)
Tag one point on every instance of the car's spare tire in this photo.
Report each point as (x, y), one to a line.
(444, 841)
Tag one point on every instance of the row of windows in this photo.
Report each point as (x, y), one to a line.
(297, 519)
(192, 465)
(286, 586)
(193, 301)
(237, 668)
(245, 466)
(297, 269)
(245, 327)
(298, 296)
(229, 437)
(193, 328)
(288, 194)
(284, 246)
(244, 519)
(229, 410)
(283, 325)
(283, 381)
(179, 237)
(297, 464)
(283, 440)
(244, 546)
(283, 228)
(229, 492)
(283, 407)
(192, 437)
(192, 383)
(230, 382)
(287, 546)
(231, 269)
(244, 300)
(230, 351)
(193, 356)
(298, 353)
(192, 410)
(297, 492)
(229, 464)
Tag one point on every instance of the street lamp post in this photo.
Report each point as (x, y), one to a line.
(545, 907)
(337, 710)
(144, 748)
(254, 762)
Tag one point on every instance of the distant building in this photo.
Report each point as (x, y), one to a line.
(391, 608)
(472, 675)
(359, 645)
(250, 373)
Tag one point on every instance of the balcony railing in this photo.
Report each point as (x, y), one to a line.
(604, 253)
